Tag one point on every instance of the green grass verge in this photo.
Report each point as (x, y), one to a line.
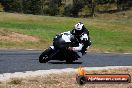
(107, 34)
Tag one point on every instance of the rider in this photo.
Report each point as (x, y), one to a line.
(82, 34)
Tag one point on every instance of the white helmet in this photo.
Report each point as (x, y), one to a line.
(79, 26)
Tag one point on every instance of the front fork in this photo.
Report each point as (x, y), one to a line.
(52, 52)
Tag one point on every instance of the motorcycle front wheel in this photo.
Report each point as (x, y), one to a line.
(44, 57)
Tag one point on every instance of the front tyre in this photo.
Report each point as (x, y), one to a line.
(43, 58)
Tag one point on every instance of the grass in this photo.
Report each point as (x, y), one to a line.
(15, 81)
(107, 34)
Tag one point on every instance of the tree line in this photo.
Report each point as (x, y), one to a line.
(74, 8)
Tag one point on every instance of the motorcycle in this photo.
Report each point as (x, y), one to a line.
(61, 43)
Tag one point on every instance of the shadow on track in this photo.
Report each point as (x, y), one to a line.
(65, 63)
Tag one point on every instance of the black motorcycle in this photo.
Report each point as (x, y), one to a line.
(61, 52)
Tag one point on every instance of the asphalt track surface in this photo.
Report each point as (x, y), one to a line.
(26, 60)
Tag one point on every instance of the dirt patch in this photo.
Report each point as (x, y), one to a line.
(6, 35)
